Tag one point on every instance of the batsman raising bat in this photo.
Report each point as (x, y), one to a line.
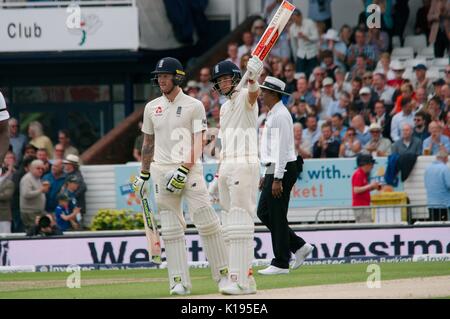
(173, 128)
(238, 175)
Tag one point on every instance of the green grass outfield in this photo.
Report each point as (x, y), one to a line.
(153, 283)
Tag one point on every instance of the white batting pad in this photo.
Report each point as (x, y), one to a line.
(207, 223)
(172, 234)
(240, 230)
(224, 220)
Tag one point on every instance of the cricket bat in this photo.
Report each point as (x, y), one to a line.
(151, 232)
(271, 35)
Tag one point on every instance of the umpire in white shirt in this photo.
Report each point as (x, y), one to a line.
(282, 169)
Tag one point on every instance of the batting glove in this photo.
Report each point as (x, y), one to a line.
(254, 68)
(139, 183)
(213, 189)
(178, 180)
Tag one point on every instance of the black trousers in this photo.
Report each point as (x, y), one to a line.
(439, 214)
(273, 213)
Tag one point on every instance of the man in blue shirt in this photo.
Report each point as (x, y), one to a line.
(320, 11)
(64, 219)
(56, 179)
(435, 141)
(437, 185)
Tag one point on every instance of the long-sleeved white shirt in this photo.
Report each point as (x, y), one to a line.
(397, 122)
(305, 49)
(277, 143)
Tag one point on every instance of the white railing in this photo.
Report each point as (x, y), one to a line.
(63, 3)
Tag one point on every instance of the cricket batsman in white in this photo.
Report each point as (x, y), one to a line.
(238, 175)
(173, 128)
(4, 135)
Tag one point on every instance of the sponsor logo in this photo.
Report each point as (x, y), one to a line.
(178, 111)
(158, 110)
(234, 277)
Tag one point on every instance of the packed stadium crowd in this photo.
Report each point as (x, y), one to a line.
(348, 95)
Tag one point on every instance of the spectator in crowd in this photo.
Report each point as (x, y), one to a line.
(350, 146)
(282, 49)
(270, 7)
(434, 109)
(362, 130)
(38, 139)
(447, 75)
(300, 111)
(214, 118)
(421, 99)
(42, 155)
(326, 146)
(302, 91)
(437, 185)
(289, 78)
(56, 178)
(366, 103)
(447, 125)
(386, 11)
(65, 220)
(405, 116)
(399, 69)
(312, 132)
(357, 84)
(302, 146)
(6, 195)
(382, 118)
(243, 63)
(276, 66)
(32, 194)
(420, 80)
(438, 17)
(422, 26)
(400, 17)
(361, 48)
(359, 68)
(232, 52)
(325, 99)
(407, 92)
(408, 143)
(328, 63)
(377, 145)
(341, 106)
(72, 169)
(192, 89)
(385, 92)
(345, 36)
(44, 228)
(305, 37)
(64, 139)
(338, 49)
(247, 44)
(316, 80)
(367, 79)
(338, 127)
(361, 188)
(420, 126)
(384, 67)
(379, 40)
(436, 141)
(16, 139)
(59, 152)
(204, 81)
(320, 11)
(29, 151)
(341, 85)
(437, 87)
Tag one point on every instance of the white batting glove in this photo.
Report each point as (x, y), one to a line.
(254, 68)
(213, 190)
(178, 180)
(139, 183)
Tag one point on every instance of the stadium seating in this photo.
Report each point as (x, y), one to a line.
(417, 42)
(427, 52)
(402, 54)
(396, 43)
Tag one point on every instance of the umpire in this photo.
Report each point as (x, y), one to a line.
(282, 170)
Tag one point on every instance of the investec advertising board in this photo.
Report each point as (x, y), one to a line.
(129, 249)
(50, 29)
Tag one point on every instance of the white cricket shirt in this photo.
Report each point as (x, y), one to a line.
(172, 124)
(277, 142)
(4, 115)
(238, 129)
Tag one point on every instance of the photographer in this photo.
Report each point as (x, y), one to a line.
(44, 228)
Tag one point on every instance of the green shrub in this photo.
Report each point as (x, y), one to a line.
(113, 219)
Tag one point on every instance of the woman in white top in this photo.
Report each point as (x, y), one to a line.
(350, 146)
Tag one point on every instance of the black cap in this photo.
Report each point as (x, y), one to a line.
(420, 66)
(439, 82)
(73, 179)
(364, 159)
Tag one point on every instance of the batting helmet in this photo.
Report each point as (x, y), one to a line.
(225, 68)
(170, 66)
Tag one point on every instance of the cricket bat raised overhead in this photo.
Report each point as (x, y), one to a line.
(271, 35)
(151, 232)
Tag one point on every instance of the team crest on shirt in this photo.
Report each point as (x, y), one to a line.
(178, 111)
(158, 110)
